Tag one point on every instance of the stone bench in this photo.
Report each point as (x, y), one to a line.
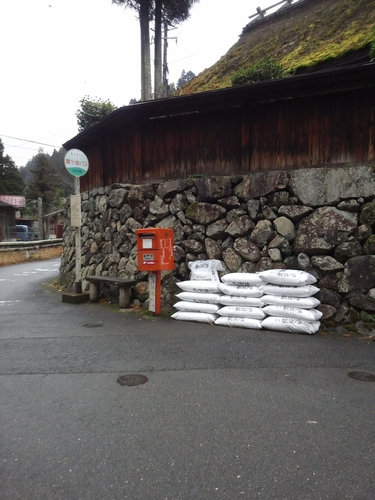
(124, 285)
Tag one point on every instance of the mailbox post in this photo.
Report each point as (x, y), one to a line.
(155, 254)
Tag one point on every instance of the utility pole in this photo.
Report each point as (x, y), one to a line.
(165, 58)
(40, 219)
(165, 64)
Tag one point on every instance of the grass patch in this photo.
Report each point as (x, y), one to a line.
(19, 256)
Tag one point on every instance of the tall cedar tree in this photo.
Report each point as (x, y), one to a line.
(173, 12)
(11, 181)
(163, 12)
(144, 9)
(64, 178)
(44, 184)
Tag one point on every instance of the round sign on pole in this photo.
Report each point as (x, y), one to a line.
(76, 162)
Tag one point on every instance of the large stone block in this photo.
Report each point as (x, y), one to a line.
(295, 212)
(261, 184)
(232, 259)
(264, 183)
(118, 197)
(328, 185)
(324, 229)
(368, 213)
(192, 246)
(263, 233)
(240, 226)
(171, 188)
(285, 227)
(136, 196)
(213, 249)
(247, 249)
(359, 273)
(178, 204)
(216, 230)
(212, 188)
(205, 213)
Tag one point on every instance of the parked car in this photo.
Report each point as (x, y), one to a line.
(23, 233)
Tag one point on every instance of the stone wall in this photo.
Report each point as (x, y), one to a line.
(321, 220)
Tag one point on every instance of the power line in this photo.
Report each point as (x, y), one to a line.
(27, 140)
(60, 133)
(17, 158)
(6, 145)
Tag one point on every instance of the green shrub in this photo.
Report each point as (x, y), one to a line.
(258, 72)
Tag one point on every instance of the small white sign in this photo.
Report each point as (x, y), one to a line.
(75, 210)
(147, 243)
(152, 292)
(76, 162)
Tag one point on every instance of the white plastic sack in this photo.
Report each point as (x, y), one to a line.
(211, 298)
(244, 290)
(242, 312)
(196, 307)
(292, 312)
(242, 279)
(289, 291)
(287, 277)
(195, 316)
(233, 300)
(290, 325)
(205, 270)
(239, 322)
(199, 286)
(299, 302)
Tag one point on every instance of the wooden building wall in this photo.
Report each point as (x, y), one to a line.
(329, 129)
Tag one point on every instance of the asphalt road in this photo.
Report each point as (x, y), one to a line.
(225, 413)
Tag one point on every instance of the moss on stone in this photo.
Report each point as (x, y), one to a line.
(192, 210)
(368, 213)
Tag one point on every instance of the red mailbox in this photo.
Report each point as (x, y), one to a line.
(155, 249)
(155, 254)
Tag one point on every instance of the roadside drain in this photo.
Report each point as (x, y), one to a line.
(92, 325)
(130, 380)
(362, 376)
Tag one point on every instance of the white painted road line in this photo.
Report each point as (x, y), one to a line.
(9, 302)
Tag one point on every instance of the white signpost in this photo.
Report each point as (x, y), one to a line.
(77, 164)
(75, 210)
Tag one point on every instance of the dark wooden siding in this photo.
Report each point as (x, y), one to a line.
(329, 129)
(326, 130)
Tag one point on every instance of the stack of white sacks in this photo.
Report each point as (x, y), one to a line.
(290, 305)
(199, 299)
(277, 299)
(241, 300)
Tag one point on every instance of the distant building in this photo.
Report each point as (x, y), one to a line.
(7, 221)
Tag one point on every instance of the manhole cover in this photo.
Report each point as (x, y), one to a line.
(132, 380)
(92, 325)
(362, 376)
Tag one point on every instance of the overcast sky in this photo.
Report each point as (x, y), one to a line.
(55, 52)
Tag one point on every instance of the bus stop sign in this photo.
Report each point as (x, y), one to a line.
(76, 162)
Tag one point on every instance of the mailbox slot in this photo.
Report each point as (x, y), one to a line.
(147, 241)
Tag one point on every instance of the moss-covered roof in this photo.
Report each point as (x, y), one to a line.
(301, 36)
